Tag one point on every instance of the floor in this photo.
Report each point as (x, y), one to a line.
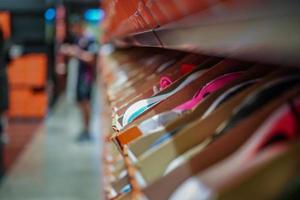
(53, 165)
(20, 132)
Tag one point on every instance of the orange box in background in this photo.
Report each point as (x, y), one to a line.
(17, 101)
(24, 103)
(38, 102)
(25, 74)
(29, 70)
(5, 23)
(37, 69)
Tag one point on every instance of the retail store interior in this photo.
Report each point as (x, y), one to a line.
(149, 100)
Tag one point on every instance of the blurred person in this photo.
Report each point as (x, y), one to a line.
(84, 48)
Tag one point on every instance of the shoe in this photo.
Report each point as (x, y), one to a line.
(84, 137)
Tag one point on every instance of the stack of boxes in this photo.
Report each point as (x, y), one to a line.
(27, 78)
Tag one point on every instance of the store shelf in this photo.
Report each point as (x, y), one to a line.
(198, 43)
(267, 32)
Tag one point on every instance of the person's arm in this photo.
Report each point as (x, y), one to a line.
(83, 55)
(75, 51)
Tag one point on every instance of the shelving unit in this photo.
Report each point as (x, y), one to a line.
(249, 30)
(150, 43)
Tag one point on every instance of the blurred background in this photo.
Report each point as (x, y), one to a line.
(36, 81)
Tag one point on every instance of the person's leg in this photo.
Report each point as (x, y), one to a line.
(84, 90)
(85, 109)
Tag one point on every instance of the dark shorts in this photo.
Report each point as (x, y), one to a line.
(4, 98)
(84, 89)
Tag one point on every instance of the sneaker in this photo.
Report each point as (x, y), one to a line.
(84, 137)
